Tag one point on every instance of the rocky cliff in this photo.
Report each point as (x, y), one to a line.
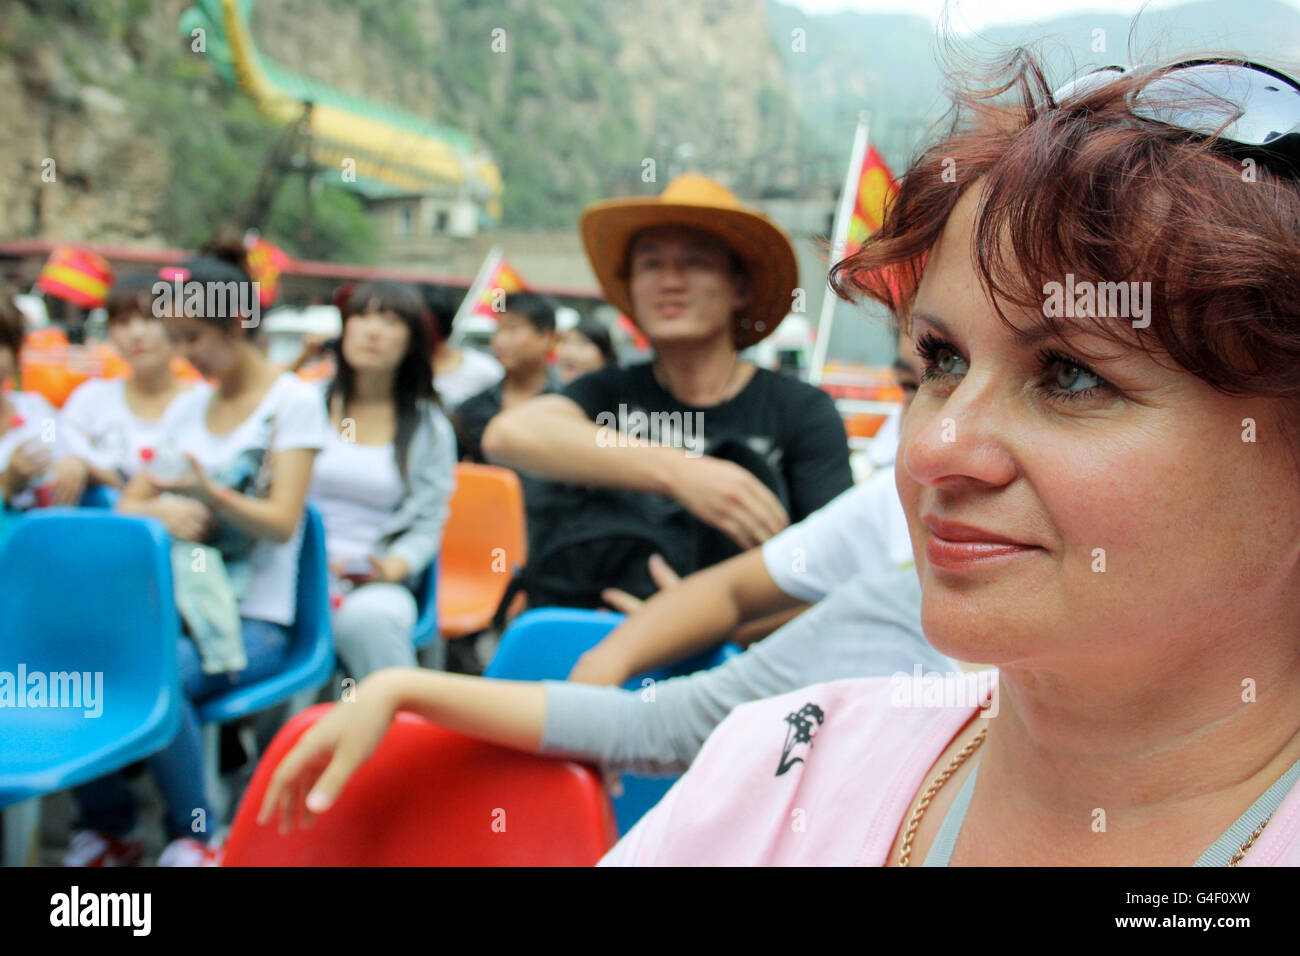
(148, 145)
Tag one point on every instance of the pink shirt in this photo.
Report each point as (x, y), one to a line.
(846, 784)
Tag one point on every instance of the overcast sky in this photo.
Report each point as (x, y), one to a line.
(976, 14)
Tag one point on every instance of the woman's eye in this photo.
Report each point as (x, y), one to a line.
(946, 362)
(1073, 378)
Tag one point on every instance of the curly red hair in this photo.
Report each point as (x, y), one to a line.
(1085, 187)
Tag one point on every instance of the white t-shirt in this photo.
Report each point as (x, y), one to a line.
(476, 371)
(884, 447)
(116, 435)
(861, 530)
(356, 489)
(41, 422)
(290, 415)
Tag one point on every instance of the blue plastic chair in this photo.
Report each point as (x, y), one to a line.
(100, 496)
(545, 644)
(426, 598)
(84, 592)
(310, 660)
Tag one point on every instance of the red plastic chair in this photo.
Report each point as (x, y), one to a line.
(431, 797)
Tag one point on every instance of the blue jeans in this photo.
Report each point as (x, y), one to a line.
(109, 806)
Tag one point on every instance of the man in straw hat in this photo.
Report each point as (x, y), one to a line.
(738, 451)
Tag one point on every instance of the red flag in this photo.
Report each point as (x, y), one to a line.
(82, 278)
(875, 192)
(265, 263)
(503, 278)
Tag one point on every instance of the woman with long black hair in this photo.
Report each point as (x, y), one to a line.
(384, 478)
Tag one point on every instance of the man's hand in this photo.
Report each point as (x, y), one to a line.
(663, 576)
(605, 664)
(725, 496)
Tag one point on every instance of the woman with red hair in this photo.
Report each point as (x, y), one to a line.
(1099, 473)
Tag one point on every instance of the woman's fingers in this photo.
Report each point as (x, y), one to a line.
(295, 771)
(330, 783)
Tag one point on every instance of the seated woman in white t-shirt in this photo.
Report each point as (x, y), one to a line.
(41, 461)
(383, 481)
(121, 417)
(250, 443)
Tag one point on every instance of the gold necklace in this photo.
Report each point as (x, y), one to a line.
(905, 851)
(1250, 841)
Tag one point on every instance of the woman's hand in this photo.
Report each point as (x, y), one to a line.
(390, 570)
(184, 518)
(195, 484)
(70, 476)
(311, 776)
(27, 461)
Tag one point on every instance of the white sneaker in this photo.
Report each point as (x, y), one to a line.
(91, 848)
(188, 851)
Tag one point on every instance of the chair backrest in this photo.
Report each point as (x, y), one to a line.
(100, 496)
(312, 614)
(426, 599)
(545, 643)
(310, 659)
(483, 542)
(88, 592)
(486, 511)
(431, 797)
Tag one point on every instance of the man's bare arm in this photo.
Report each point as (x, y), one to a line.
(551, 436)
(700, 611)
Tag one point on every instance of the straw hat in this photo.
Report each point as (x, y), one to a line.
(697, 202)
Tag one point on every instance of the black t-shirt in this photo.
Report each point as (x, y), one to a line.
(784, 431)
(470, 418)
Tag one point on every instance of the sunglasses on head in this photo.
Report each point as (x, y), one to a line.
(1253, 108)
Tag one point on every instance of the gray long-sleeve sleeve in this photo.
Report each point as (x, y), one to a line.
(868, 626)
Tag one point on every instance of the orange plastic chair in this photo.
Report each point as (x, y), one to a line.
(865, 425)
(430, 797)
(483, 543)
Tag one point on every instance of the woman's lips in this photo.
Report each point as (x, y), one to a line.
(953, 546)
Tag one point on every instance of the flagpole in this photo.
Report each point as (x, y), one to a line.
(475, 290)
(839, 238)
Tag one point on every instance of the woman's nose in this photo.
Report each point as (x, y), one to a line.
(960, 438)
